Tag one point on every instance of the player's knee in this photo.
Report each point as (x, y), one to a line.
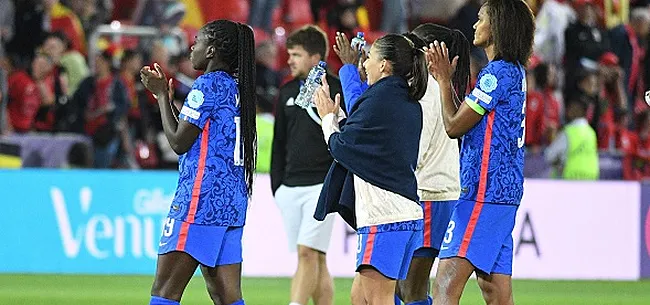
(444, 287)
(326, 287)
(307, 255)
(410, 291)
(357, 298)
(489, 291)
(356, 293)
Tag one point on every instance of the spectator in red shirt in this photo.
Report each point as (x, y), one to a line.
(130, 67)
(626, 142)
(23, 99)
(542, 108)
(105, 102)
(42, 72)
(643, 134)
(613, 91)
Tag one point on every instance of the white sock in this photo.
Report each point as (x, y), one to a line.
(294, 303)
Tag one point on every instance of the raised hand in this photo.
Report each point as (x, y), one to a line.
(324, 102)
(344, 50)
(154, 80)
(438, 63)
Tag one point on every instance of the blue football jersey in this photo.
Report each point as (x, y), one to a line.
(212, 186)
(492, 153)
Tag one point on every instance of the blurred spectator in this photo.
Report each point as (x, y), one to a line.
(104, 100)
(629, 44)
(79, 156)
(583, 39)
(57, 46)
(91, 13)
(7, 14)
(67, 64)
(49, 84)
(268, 79)
(625, 142)
(551, 22)
(164, 15)
(465, 18)
(588, 89)
(643, 134)
(613, 91)
(261, 14)
(180, 69)
(29, 20)
(436, 11)
(542, 108)
(23, 98)
(124, 9)
(341, 18)
(130, 66)
(160, 55)
(61, 18)
(393, 18)
(574, 152)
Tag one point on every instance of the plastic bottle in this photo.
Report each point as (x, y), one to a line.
(358, 42)
(312, 83)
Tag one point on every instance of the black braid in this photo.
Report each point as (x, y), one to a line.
(458, 46)
(235, 47)
(461, 47)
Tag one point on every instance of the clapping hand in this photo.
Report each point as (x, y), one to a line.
(155, 80)
(324, 102)
(438, 63)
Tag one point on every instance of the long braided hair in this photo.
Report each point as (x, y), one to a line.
(234, 43)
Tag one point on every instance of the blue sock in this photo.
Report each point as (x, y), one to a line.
(429, 300)
(240, 302)
(397, 300)
(423, 302)
(162, 301)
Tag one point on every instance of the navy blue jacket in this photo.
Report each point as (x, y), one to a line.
(379, 143)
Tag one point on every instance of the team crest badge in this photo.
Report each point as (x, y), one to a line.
(488, 83)
(195, 98)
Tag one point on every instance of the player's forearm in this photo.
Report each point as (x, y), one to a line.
(449, 109)
(169, 121)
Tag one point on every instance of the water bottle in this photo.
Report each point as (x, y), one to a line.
(312, 83)
(358, 42)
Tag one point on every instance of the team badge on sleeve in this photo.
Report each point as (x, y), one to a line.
(195, 98)
(488, 83)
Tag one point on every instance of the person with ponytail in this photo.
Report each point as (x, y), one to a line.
(215, 136)
(491, 122)
(372, 182)
(438, 167)
(437, 171)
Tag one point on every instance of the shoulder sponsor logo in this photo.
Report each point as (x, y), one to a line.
(189, 112)
(486, 98)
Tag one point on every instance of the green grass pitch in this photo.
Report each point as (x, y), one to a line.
(20, 289)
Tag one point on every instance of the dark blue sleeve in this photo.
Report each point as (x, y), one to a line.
(352, 85)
